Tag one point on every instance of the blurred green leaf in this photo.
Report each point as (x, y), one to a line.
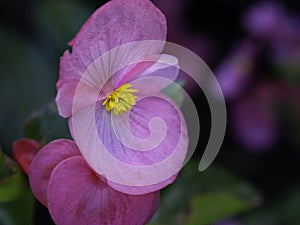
(262, 216)
(27, 82)
(46, 125)
(11, 187)
(4, 170)
(209, 208)
(176, 198)
(289, 71)
(289, 207)
(11, 179)
(20, 210)
(174, 91)
(59, 21)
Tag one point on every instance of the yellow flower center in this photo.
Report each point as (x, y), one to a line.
(121, 100)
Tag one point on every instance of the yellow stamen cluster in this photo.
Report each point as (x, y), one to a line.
(121, 100)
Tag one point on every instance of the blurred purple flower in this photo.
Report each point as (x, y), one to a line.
(75, 195)
(254, 118)
(234, 72)
(271, 22)
(111, 89)
(285, 51)
(265, 20)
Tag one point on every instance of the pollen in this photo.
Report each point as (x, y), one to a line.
(121, 100)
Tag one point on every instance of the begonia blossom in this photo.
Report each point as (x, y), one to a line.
(110, 88)
(75, 195)
(24, 151)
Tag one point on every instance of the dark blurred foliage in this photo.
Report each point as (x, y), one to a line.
(254, 49)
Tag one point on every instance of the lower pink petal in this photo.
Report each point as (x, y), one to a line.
(45, 161)
(78, 196)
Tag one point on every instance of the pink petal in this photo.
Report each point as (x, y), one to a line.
(116, 138)
(78, 196)
(65, 95)
(45, 161)
(116, 23)
(148, 152)
(24, 151)
(134, 190)
(119, 22)
(151, 77)
(64, 98)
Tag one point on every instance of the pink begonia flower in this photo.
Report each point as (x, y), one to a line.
(109, 87)
(75, 195)
(24, 151)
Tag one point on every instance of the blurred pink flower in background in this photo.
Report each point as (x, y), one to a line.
(255, 117)
(270, 22)
(236, 71)
(258, 100)
(74, 194)
(265, 20)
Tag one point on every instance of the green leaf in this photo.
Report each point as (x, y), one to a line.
(175, 92)
(16, 199)
(290, 207)
(209, 208)
(11, 179)
(18, 211)
(59, 21)
(46, 125)
(4, 171)
(27, 82)
(11, 187)
(289, 71)
(176, 198)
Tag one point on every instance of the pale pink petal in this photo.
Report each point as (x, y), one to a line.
(145, 149)
(116, 137)
(45, 161)
(64, 98)
(65, 95)
(78, 196)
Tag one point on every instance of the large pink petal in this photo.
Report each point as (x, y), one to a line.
(78, 196)
(116, 23)
(45, 161)
(139, 153)
(116, 137)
